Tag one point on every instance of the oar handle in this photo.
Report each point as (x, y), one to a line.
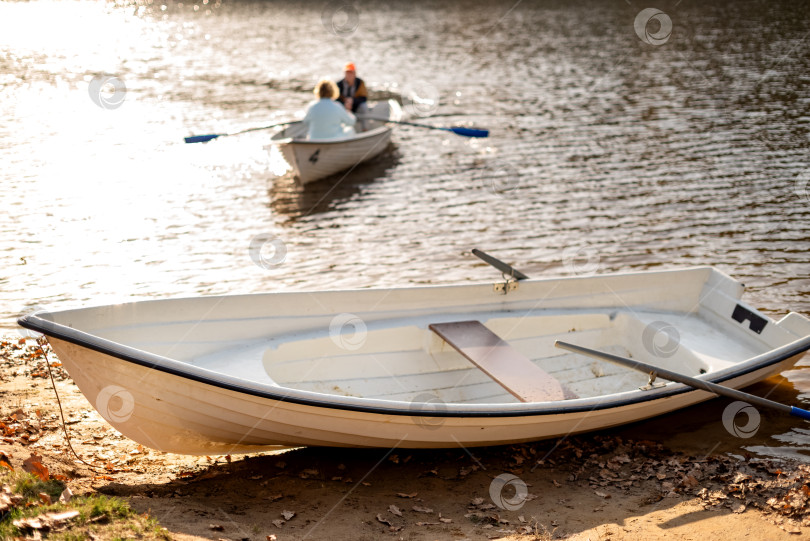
(458, 130)
(687, 380)
(403, 122)
(500, 265)
(267, 127)
(210, 136)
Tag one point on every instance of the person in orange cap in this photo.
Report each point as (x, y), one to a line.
(353, 93)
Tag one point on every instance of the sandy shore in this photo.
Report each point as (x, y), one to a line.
(595, 487)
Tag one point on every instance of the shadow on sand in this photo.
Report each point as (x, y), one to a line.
(574, 485)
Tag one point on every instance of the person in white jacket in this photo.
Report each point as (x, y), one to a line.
(326, 118)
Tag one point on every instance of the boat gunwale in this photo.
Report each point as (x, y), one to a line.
(382, 130)
(321, 400)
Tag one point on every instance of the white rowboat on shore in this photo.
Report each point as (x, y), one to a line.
(410, 367)
(312, 160)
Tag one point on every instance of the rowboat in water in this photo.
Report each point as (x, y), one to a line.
(415, 367)
(314, 159)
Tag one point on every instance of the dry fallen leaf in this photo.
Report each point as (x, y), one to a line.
(278, 523)
(5, 503)
(27, 523)
(380, 518)
(216, 527)
(420, 509)
(5, 462)
(66, 495)
(446, 520)
(46, 521)
(790, 526)
(403, 495)
(272, 537)
(45, 498)
(33, 464)
(287, 514)
(395, 510)
(690, 481)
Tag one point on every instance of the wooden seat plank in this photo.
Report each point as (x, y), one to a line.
(508, 367)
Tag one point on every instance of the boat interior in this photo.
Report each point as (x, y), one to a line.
(423, 344)
(401, 360)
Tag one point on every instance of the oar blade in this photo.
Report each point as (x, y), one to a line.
(469, 132)
(800, 413)
(201, 138)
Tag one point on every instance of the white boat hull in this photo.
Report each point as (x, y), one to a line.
(312, 160)
(257, 372)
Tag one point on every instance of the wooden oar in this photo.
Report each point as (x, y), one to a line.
(500, 265)
(204, 138)
(687, 380)
(458, 130)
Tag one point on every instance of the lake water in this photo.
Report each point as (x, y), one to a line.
(613, 147)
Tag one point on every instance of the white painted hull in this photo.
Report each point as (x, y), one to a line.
(312, 160)
(237, 374)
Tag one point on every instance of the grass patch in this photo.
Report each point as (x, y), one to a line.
(31, 486)
(99, 516)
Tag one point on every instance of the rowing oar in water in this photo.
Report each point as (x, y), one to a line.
(204, 138)
(695, 383)
(458, 130)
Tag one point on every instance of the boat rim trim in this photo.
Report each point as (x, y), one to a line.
(157, 362)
